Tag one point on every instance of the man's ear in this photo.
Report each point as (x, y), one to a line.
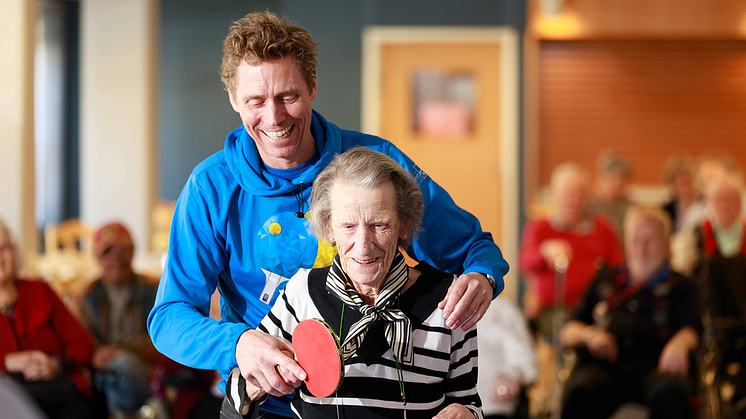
(314, 88)
(231, 97)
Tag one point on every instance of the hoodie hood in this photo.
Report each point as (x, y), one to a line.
(244, 162)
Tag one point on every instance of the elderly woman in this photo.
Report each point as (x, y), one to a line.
(392, 332)
(635, 329)
(719, 237)
(42, 346)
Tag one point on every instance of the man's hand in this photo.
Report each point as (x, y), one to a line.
(674, 360)
(601, 344)
(504, 389)
(466, 301)
(454, 411)
(103, 355)
(552, 249)
(267, 362)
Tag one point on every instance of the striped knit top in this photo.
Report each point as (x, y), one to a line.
(445, 361)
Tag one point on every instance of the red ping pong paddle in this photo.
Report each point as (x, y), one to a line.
(318, 352)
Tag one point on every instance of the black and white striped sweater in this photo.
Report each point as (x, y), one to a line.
(445, 361)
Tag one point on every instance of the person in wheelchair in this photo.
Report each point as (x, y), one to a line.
(634, 330)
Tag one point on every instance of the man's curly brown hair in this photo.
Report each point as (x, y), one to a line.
(263, 36)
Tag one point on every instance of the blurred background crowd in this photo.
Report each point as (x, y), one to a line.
(610, 173)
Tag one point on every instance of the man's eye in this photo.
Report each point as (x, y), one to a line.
(255, 103)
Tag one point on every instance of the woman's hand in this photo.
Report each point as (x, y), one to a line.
(34, 365)
(15, 362)
(41, 367)
(455, 411)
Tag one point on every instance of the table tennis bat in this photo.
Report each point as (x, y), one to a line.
(318, 352)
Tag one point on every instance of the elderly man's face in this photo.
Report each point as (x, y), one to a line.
(647, 248)
(726, 203)
(7, 258)
(116, 263)
(274, 102)
(365, 226)
(571, 199)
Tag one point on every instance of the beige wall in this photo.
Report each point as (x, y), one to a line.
(16, 120)
(118, 121)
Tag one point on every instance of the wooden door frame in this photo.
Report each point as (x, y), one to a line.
(376, 37)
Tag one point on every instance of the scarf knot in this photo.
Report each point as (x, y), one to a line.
(398, 328)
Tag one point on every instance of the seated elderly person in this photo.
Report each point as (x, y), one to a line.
(718, 238)
(716, 255)
(570, 232)
(114, 308)
(635, 330)
(42, 347)
(392, 332)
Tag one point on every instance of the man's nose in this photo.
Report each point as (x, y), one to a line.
(275, 113)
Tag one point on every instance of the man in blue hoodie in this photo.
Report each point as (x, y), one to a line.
(241, 221)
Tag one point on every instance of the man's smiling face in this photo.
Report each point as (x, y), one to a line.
(274, 102)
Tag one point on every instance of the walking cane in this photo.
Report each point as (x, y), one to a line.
(561, 263)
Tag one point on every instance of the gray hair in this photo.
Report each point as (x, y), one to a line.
(677, 165)
(367, 168)
(654, 214)
(564, 171)
(727, 180)
(609, 162)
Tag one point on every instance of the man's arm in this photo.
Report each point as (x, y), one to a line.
(451, 239)
(179, 323)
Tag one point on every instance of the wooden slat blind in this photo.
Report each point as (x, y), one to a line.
(645, 100)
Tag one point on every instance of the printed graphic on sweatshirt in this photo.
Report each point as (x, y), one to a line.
(287, 244)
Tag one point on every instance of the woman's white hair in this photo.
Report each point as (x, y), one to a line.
(364, 167)
(727, 180)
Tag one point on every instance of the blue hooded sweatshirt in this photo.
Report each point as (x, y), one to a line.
(235, 228)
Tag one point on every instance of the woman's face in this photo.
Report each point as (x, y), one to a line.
(365, 226)
(683, 186)
(726, 203)
(7, 259)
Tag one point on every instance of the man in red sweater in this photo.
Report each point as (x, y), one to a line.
(586, 241)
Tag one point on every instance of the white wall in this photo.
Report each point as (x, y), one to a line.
(16, 120)
(118, 97)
